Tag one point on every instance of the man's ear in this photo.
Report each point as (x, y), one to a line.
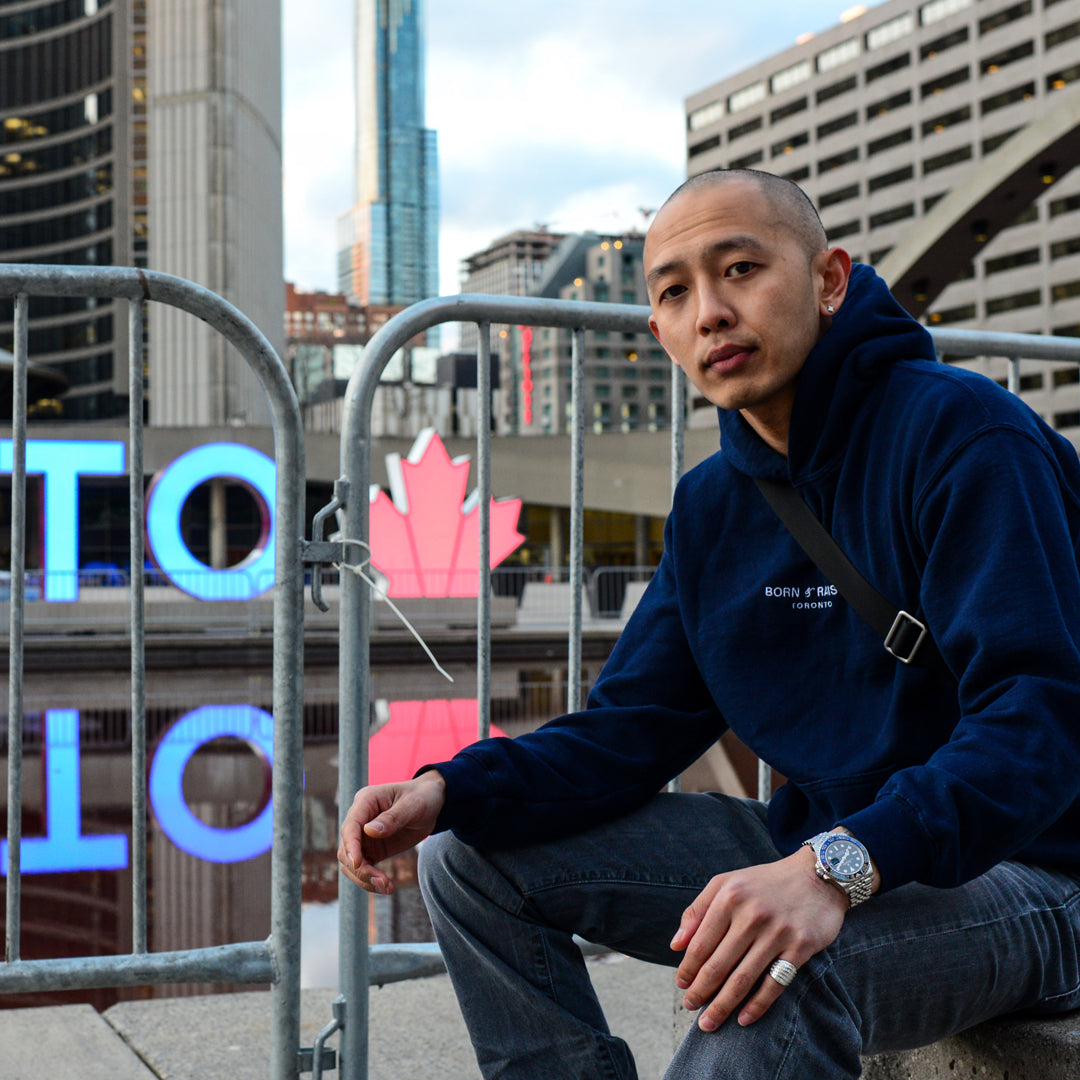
(656, 334)
(836, 272)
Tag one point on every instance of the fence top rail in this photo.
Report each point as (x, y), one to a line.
(131, 283)
(999, 343)
(474, 308)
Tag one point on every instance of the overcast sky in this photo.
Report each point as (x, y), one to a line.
(567, 112)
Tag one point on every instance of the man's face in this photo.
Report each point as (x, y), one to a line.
(736, 300)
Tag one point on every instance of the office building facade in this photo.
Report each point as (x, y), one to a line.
(72, 181)
(880, 117)
(627, 376)
(510, 266)
(148, 135)
(388, 250)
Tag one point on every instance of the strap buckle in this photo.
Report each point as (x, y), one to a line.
(905, 636)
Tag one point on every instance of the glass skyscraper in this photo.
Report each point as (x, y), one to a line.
(389, 241)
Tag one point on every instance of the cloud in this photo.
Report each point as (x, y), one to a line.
(546, 110)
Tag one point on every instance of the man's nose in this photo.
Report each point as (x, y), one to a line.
(714, 310)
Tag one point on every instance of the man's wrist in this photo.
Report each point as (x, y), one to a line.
(843, 863)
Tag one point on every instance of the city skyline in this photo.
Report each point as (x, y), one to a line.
(576, 121)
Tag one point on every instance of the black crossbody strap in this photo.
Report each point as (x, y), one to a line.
(905, 636)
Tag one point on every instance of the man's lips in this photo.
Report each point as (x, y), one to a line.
(727, 358)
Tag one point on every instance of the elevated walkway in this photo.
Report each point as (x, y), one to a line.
(417, 1032)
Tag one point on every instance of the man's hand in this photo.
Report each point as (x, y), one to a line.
(741, 922)
(384, 821)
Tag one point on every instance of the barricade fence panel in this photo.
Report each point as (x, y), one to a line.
(276, 959)
(603, 593)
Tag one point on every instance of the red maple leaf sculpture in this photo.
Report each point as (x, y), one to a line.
(426, 541)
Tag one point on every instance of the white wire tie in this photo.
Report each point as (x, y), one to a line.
(358, 570)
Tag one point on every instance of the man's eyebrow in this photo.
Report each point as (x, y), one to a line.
(720, 247)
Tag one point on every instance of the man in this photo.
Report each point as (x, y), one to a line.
(951, 796)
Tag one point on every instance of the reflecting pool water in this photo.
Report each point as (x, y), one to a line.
(209, 766)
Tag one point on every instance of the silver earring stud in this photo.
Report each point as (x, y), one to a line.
(830, 309)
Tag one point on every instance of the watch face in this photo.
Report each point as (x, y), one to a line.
(843, 857)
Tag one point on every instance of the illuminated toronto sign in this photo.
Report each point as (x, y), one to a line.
(425, 539)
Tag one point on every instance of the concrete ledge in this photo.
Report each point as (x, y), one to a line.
(1012, 1049)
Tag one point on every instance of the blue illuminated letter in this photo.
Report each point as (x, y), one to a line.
(63, 847)
(174, 816)
(172, 487)
(62, 462)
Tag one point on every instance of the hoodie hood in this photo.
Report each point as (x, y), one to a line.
(869, 334)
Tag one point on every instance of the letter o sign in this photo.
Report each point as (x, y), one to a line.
(166, 500)
(183, 828)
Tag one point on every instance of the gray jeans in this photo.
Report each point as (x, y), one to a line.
(909, 966)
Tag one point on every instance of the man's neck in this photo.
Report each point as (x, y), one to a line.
(772, 425)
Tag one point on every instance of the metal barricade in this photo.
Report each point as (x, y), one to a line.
(361, 964)
(277, 959)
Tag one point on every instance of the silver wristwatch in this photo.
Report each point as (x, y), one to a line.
(845, 862)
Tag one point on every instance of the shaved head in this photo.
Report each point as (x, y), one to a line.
(790, 203)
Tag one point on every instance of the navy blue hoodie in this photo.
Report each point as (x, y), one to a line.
(956, 502)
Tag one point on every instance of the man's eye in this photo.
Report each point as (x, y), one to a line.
(672, 291)
(740, 268)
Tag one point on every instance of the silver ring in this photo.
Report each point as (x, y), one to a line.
(784, 972)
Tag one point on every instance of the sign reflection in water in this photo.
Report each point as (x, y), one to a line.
(77, 790)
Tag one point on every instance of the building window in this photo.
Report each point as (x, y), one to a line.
(1031, 382)
(747, 96)
(833, 126)
(897, 176)
(943, 161)
(790, 109)
(1003, 18)
(937, 10)
(1069, 330)
(886, 142)
(740, 130)
(991, 144)
(848, 228)
(1065, 247)
(747, 162)
(1065, 291)
(1028, 298)
(1010, 262)
(952, 315)
(879, 71)
(1060, 79)
(837, 160)
(990, 65)
(1029, 214)
(837, 55)
(831, 198)
(943, 82)
(797, 175)
(706, 115)
(827, 93)
(877, 256)
(1062, 34)
(790, 144)
(890, 31)
(704, 147)
(791, 76)
(935, 125)
(887, 217)
(1069, 376)
(887, 105)
(1066, 420)
(1006, 98)
(943, 44)
(601, 390)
